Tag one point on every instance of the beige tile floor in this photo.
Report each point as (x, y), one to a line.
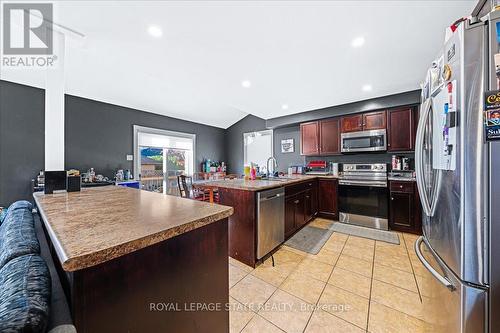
(352, 285)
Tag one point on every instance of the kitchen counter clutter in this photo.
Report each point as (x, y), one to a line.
(123, 250)
(260, 184)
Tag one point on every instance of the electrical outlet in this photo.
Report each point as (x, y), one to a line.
(130, 157)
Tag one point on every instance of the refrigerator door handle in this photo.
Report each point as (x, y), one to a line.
(428, 266)
(426, 108)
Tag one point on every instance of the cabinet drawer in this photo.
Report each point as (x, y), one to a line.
(296, 188)
(406, 187)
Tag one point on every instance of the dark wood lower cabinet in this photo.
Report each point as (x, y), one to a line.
(300, 205)
(404, 208)
(142, 291)
(327, 198)
(289, 216)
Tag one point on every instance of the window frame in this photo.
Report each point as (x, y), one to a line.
(266, 131)
(151, 130)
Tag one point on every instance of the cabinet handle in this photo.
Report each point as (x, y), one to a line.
(388, 145)
(296, 202)
(400, 186)
(392, 198)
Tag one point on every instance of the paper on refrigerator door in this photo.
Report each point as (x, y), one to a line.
(442, 160)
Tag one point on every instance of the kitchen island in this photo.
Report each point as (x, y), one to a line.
(137, 261)
(306, 196)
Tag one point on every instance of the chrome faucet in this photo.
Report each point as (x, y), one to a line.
(275, 165)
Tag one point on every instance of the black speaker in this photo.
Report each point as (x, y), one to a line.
(74, 184)
(55, 181)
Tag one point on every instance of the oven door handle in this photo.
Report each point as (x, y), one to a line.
(363, 183)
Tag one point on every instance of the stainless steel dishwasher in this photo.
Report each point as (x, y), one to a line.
(270, 220)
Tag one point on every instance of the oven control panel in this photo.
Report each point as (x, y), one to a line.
(376, 167)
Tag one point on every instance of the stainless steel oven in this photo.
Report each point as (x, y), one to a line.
(363, 195)
(374, 140)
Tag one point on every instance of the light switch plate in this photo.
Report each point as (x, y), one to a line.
(130, 157)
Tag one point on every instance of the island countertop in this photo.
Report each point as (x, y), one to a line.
(260, 184)
(99, 224)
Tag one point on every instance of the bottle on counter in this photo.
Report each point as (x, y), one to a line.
(253, 173)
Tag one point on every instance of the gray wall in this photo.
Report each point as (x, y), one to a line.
(384, 102)
(234, 141)
(287, 159)
(100, 135)
(22, 123)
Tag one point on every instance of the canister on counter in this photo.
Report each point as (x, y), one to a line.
(406, 163)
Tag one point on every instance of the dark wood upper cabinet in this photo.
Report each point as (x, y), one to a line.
(364, 122)
(329, 136)
(352, 123)
(309, 138)
(401, 129)
(374, 120)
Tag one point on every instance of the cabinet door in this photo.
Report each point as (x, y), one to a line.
(401, 211)
(329, 136)
(400, 130)
(327, 198)
(308, 210)
(300, 216)
(289, 216)
(374, 120)
(309, 138)
(314, 197)
(352, 123)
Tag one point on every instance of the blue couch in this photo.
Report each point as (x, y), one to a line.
(25, 281)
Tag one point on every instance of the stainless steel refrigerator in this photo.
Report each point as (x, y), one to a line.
(458, 178)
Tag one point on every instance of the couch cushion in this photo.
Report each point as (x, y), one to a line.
(3, 213)
(21, 204)
(24, 295)
(17, 235)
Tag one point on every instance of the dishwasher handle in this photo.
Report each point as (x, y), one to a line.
(271, 197)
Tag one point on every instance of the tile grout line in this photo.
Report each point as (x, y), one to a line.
(413, 271)
(277, 288)
(326, 284)
(267, 299)
(371, 286)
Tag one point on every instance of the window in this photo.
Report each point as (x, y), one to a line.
(160, 156)
(258, 147)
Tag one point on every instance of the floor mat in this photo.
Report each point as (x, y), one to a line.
(310, 239)
(375, 234)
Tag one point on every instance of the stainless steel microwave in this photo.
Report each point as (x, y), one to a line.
(373, 140)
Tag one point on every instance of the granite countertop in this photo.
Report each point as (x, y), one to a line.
(402, 179)
(98, 224)
(259, 184)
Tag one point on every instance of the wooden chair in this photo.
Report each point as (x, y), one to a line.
(185, 184)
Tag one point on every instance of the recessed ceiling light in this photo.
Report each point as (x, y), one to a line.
(284, 106)
(246, 84)
(367, 87)
(155, 31)
(358, 41)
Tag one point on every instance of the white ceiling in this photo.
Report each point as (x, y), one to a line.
(297, 53)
